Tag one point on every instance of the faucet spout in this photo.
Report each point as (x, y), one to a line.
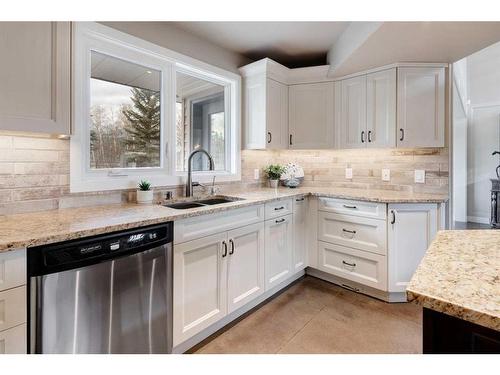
(211, 165)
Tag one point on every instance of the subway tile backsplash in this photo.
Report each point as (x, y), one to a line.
(34, 172)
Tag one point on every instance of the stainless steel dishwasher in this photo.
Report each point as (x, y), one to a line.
(104, 294)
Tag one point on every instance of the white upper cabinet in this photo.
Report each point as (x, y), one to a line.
(353, 113)
(311, 116)
(35, 77)
(421, 107)
(265, 108)
(411, 229)
(381, 109)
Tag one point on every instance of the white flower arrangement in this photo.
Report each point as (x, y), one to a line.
(292, 170)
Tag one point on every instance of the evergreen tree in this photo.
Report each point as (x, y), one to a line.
(143, 127)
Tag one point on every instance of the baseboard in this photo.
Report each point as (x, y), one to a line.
(238, 314)
(478, 219)
(357, 287)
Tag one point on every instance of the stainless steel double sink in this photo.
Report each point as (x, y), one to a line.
(202, 202)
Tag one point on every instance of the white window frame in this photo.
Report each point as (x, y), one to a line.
(90, 36)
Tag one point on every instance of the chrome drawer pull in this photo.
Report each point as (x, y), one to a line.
(278, 208)
(349, 264)
(351, 207)
(349, 231)
(279, 221)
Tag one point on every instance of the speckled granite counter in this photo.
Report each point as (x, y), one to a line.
(21, 230)
(460, 276)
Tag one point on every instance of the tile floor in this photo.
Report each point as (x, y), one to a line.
(314, 316)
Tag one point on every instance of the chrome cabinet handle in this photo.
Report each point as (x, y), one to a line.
(269, 137)
(393, 217)
(348, 231)
(349, 264)
(369, 135)
(402, 134)
(280, 221)
(231, 252)
(351, 207)
(224, 254)
(363, 136)
(278, 208)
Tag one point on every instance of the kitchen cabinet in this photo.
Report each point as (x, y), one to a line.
(279, 250)
(353, 113)
(300, 232)
(265, 112)
(421, 107)
(200, 285)
(411, 229)
(13, 340)
(311, 116)
(381, 109)
(368, 110)
(246, 279)
(35, 77)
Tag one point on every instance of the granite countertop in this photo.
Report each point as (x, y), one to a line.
(460, 276)
(33, 229)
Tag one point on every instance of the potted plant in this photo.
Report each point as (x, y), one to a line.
(273, 172)
(144, 193)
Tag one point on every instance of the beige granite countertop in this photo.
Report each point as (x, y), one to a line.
(460, 276)
(32, 229)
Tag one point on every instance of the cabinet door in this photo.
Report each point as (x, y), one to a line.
(311, 116)
(381, 109)
(353, 113)
(200, 289)
(279, 236)
(245, 280)
(276, 115)
(13, 340)
(412, 227)
(299, 233)
(35, 76)
(421, 107)
(254, 110)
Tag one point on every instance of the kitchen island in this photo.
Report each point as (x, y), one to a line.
(458, 285)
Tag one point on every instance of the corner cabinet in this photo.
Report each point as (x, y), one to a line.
(411, 229)
(311, 116)
(421, 107)
(35, 81)
(353, 112)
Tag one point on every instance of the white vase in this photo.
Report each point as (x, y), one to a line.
(144, 196)
(273, 183)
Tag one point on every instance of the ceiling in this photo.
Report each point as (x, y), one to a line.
(293, 44)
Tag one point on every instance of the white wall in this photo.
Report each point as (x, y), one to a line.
(167, 35)
(483, 82)
(459, 158)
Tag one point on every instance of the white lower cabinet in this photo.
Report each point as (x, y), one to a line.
(246, 279)
(200, 285)
(279, 250)
(355, 265)
(411, 229)
(13, 340)
(300, 208)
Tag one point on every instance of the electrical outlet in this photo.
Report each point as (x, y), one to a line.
(256, 174)
(386, 175)
(348, 173)
(419, 176)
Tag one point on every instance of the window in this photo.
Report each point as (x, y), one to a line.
(140, 110)
(201, 122)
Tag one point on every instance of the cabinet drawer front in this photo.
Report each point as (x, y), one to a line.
(13, 340)
(352, 207)
(356, 232)
(205, 225)
(278, 208)
(12, 307)
(355, 265)
(12, 269)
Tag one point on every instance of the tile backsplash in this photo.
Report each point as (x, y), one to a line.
(34, 172)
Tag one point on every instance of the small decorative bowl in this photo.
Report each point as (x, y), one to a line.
(293, 182)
